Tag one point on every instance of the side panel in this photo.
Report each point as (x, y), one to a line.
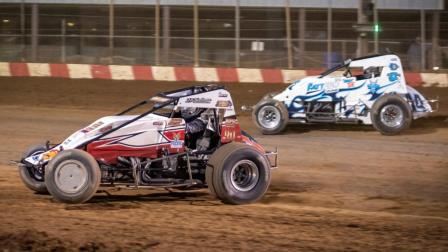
(420, 105)
(231, 132)
(139, 139)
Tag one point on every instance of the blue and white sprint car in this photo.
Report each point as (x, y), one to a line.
(370, 90)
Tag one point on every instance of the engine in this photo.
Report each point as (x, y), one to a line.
(167, 169)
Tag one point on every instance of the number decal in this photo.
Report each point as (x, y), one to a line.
(418, 101)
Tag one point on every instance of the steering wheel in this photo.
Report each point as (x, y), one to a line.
(347, 73)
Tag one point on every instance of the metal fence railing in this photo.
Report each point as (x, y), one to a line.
(124, 35)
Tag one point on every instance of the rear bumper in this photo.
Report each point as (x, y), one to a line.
(434, 103)
(272, 157)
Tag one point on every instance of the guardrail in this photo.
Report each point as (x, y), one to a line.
(192, 74)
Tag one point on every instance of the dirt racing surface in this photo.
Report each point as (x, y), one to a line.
(338, 188)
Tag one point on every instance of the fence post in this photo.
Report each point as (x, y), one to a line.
(288, 32)
(435, 55)
(375, 23)
(22, 30)
(34, 31)
(302, 31)
(111, 30)
(237, 33)
(196, 33)
(166, 34)
(157, 33)
(63, 53)
(329, 33)
(423, 39)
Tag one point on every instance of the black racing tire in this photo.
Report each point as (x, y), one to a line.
(230, 159)
(31, 180)
(391, 114)
(273, 109)
(73, 176)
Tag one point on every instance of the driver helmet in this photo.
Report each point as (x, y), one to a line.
(191, 113)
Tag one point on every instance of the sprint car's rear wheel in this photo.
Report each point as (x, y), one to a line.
(238, 174)
(270, 116)
(73, 176)
(391, 114)
(33, 177)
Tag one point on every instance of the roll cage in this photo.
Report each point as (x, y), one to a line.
(160, 100)
(347, 63)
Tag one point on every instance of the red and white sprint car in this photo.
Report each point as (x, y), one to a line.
(187, 138)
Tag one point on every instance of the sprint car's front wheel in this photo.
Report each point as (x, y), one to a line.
(73, 176)
(238, 174)
(391, 114)
(270, 116)
(33, 177)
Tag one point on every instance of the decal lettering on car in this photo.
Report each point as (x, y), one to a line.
(393, 76)
(393, 66)
(229, 134)
(91, 127)
(49, 155)
(177, 143)
(223, 104)
(314, 87)
(222, 94)
(175, 122)
(332, 87)
(201, 100)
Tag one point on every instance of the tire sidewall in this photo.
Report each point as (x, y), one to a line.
(93, 176)
(280, 107)
(390, 99)
(234, 196)
(27, 177)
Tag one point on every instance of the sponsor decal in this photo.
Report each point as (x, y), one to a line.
(230, 121)
(350, 82)
(106, 128)
(50, 154)
(176, 143)
(373, 87)
(332, 87)
(175, 122)
(200, 100)
(223, 104)
(157, 123)
(67, 141)
(393, 76)
(91, 127)
(314, 87)
(393, 66)
(222, 94)
(394, 59)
